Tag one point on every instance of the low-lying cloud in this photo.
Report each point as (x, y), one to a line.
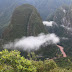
(33, 42)
(48, 23)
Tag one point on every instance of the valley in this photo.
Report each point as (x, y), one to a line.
(35, 36)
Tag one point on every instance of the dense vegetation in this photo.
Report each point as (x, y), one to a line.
(62, 17)
(25, 21)
(12, 61)
(44, 7)
(49, 51)
(6, 10)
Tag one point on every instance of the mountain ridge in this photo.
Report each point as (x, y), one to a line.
(44, 7)
(25, 21)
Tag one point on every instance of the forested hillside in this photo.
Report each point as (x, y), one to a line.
(29, 43)
(6, 10)
(12, 61)
(44, 7)
(63, 19)
(25, 21)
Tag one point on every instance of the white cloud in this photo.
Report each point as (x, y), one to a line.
(48, 23)
(33, 43)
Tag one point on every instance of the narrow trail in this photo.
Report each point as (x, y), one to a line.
(61, 49)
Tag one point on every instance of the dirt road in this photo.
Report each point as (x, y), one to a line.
(62, 50)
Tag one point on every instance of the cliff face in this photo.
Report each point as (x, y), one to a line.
(63, 29)
(25, 21)
(63, 16)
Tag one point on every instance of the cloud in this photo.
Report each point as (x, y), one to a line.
(48, 23)
(32, 42)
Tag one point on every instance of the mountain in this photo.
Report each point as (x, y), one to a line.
(63, 18)
(6, 10)
(47, 7)
(25, 21)
(44, 7)
(25, 24)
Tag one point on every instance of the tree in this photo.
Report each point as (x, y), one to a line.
(13, 62)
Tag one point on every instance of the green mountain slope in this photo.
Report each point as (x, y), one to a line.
(44, 7)
(25, 21)
(63, 18)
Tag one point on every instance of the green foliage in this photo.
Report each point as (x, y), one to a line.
(32, 56)
(58, 65)
(60, 70)
(49, 51)
(49, 65)
(39, 65)
(64, 62)
(12, 61)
